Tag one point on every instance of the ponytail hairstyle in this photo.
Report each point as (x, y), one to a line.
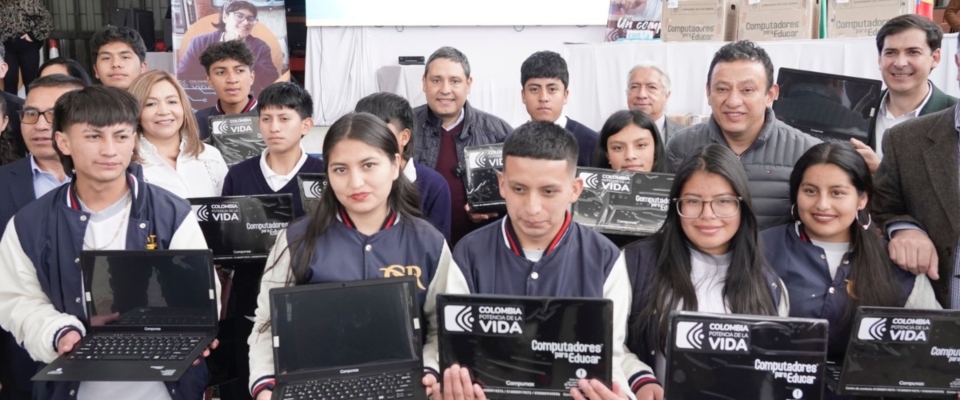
(745, 289)
(404, 197)
(871, 281)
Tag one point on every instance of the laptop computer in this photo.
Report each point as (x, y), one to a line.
(242, 228)
(348, 340)
(902, 353)
(827, 106)
(527, 347)
(312, 185)
(622, 202)
(237, 137)
(744, 357)
(150, 314)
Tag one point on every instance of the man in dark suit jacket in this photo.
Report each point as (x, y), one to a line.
(544, 79)
(917, 196)
(14, 105)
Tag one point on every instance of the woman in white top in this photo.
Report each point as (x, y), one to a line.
(706, 257)
(169, 148)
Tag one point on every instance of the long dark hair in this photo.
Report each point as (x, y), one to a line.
(8, 151)
(616, 123)
(872, 283)
(404, 197)
(745, 290)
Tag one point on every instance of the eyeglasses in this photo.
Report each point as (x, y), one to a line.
(32, 115)
(723, 207)
(240, 17)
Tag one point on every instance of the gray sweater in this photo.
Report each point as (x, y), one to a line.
(768, 162)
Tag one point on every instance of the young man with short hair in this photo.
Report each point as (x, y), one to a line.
(22, 182)
(103, 208)
(229, 67)
(537, 249)
(119, 56)
(434, 192)
(286, 116)
(448, 124)
(544, 82)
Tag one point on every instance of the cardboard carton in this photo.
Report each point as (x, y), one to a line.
(762, 20)
(699, 21)
(859, 18)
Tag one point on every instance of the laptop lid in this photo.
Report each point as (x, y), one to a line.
(527, 347)
(744, 357)
(374, 326)
(242, 228)
(312, 185)
(903, 353)
(237, 136)
(622, 202)
(149, 290)
(830, 107)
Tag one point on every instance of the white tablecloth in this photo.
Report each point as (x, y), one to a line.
(404, 80)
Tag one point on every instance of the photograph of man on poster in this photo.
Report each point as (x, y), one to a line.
(261, 28)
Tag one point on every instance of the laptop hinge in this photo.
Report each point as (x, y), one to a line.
(213, 295)
(276, 341)
(416, 323)
(89, 298)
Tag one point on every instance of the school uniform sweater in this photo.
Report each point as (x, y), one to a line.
(434, 195)
(578, 263)
(403, 247)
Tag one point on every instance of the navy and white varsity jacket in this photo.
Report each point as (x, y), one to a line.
(578, 263)
(641, 259)
(815, 294)
(403, 247)
(39, 266)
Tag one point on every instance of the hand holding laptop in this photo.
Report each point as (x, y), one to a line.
(206, 352)
(457, 385)
(67, 341)
(593, 389)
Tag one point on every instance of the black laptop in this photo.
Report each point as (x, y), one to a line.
(622, 202)
(348, 340)
(151, 313)
(242, 228)
(312, 185)
(527, 347)
(237, 137)
(827, 106)
(903, 353)
(728, 356)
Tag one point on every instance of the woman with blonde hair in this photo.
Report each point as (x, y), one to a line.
(169, 147)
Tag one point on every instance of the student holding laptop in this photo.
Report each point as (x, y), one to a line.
(536, 250)
(104, 208)
(706, 257)
(367, 226)
(833, 258)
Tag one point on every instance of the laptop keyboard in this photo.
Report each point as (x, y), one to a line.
(136, 348)
(374, 387)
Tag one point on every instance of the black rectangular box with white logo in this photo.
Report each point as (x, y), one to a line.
(903, 353)
(527, 347)
(242, 228)
(744, 357)
(312, 185)
(622, 202)
(480, 178)
(236, 136)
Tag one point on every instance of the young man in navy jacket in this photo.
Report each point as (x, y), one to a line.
(229, 67)
(537, 250)
(103, 208)
(434, 191)
(285, 117)
(544, 79)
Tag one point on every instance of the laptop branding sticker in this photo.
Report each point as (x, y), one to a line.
(493, 320)
(895, 330)
(713, 337)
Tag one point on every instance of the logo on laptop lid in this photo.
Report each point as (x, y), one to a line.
(613, 182)
(713, 337)
(486, 319)
(217, 212)
(894, 330)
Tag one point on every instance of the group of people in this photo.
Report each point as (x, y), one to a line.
(763, 219)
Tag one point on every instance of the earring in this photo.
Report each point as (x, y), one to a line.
(869, 220)
(792, 209)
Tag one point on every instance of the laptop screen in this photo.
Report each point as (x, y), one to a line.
(167, 288)
(344, 326)
(830, 107)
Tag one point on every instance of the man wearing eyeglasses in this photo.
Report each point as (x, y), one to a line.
(237, 21)
(22, 182)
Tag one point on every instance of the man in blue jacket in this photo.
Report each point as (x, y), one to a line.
(103, 208)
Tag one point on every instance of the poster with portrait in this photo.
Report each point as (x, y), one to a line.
(197, 24)
(634, 20)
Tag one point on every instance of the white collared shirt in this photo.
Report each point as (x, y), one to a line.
(459, 120)
(410, 171)
(275, 180)
(562, 121)
(886, 121)
(200, 176)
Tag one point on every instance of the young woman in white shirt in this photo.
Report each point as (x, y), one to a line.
(169, 146)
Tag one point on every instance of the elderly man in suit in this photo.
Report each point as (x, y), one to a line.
(917, 198)
(648, 89)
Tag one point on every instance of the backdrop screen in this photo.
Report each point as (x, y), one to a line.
(456, 12)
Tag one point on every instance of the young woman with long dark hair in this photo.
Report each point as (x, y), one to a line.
(629, 140)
